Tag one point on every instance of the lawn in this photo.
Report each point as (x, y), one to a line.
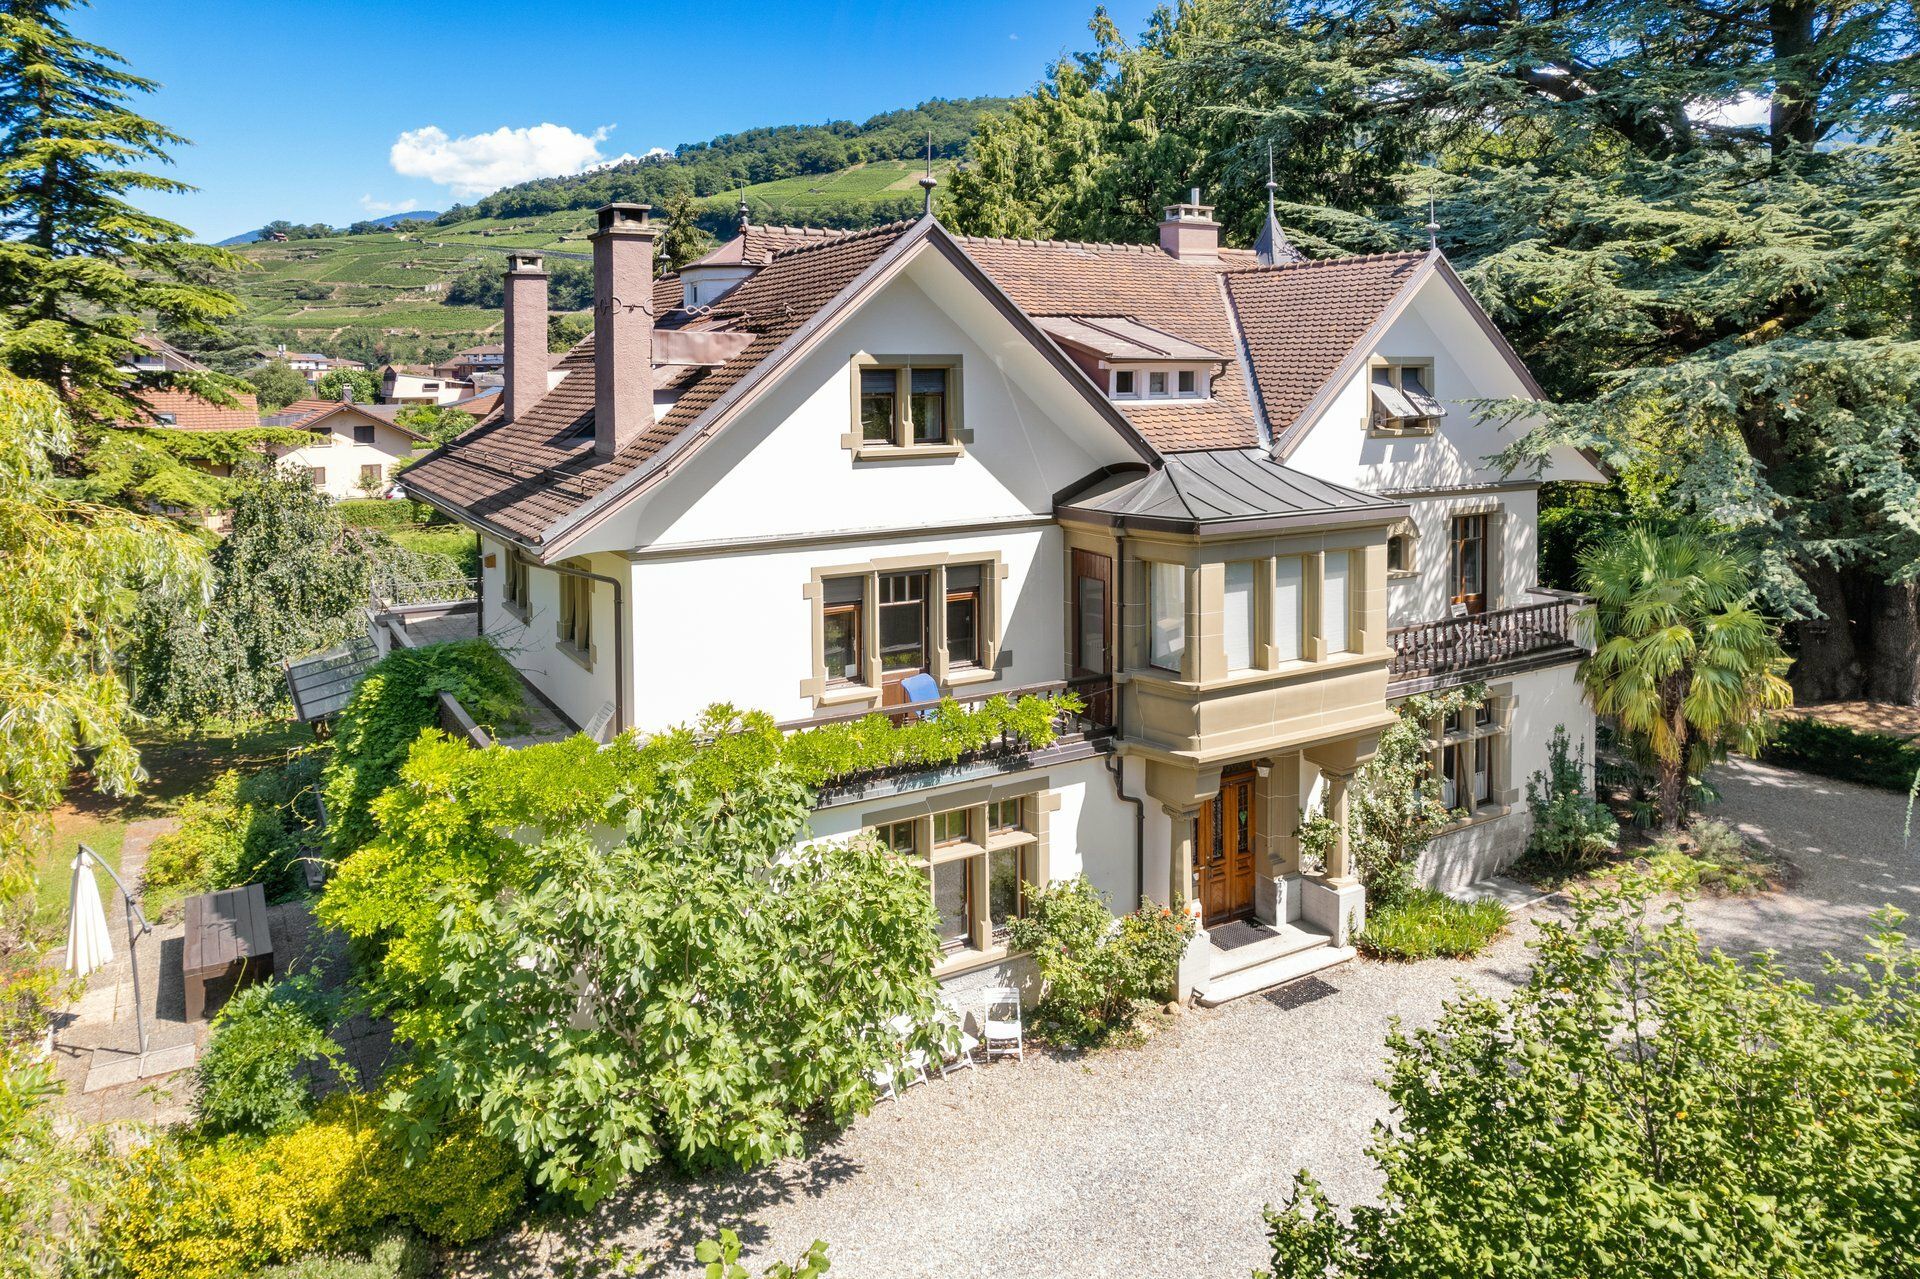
(443, 539)
(177, 764)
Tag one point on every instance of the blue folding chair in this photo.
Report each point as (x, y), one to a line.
(921, 688)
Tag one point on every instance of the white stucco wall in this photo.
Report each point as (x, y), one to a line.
(342, 459)
(532, 644)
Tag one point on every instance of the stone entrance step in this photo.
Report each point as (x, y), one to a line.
(1245, 944)
(1271, 971)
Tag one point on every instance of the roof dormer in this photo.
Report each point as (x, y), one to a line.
(1132, 361)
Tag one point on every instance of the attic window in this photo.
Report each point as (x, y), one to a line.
(1162, 383)
(905, 406)
(164, 419)
(1402, 402)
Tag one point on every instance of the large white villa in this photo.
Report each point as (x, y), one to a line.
(1239, 501)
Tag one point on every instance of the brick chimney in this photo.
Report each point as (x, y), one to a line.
(524, 364)
(1188, 232)
(622, 326)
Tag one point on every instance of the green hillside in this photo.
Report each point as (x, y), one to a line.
(391, 285)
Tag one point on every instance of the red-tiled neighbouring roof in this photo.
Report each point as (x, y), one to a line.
(1049, 277)
(523, 476)
(192, 413)
(297, 413)
(758, 245)
(1303, 319)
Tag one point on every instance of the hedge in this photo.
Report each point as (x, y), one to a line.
(1846, 754)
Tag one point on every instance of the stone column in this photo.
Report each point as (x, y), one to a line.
(1181, 863)
(1340, 856)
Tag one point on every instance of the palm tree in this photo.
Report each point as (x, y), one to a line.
(1683, 661)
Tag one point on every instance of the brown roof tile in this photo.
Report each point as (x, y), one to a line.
(523, 476)
(192, 413)
(1138, 281)
(1301, 320)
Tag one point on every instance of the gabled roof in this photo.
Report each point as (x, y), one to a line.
(1306, 321)
(538, 480)
(191, 412)
(305, 415)
(1226, 491)
(759, 245)
(169, 352)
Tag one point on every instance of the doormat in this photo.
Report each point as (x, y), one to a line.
(1298, 994)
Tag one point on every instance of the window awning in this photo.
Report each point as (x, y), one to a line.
(1416, 393)
(1409, 401)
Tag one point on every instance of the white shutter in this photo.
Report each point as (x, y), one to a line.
(1287, 611)
(1238, 621)
(1334, 603)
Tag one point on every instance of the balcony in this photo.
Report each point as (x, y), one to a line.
(1429, 655)
(1078, 734)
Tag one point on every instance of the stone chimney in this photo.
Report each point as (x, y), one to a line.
(523, 363)
(1188, 232)
(622, 325)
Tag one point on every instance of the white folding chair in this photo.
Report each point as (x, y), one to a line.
(914, 1059)
(956, 1044)
(1000, 1026)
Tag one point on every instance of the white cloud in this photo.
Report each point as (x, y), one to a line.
(484, 162)
(1740, 111)
(380, 208)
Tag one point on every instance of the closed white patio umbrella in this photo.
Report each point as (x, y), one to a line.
(88, 945)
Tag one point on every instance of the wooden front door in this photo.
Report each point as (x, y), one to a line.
(1469, 587)
(1093, 633)
(1223, 852)
(903, 632)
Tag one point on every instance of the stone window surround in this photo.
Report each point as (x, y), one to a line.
(1206, 582)
(1410, 532)
(958, 436)
(1424, 364)
(1037, 804)
(1500, 767)
(1494, 570)
(993, 574)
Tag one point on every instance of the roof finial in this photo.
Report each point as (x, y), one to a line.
(927, 182)
(1433, 223)
(745, 212)
(1273, 247)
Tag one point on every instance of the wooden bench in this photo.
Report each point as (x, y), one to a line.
(227, 935)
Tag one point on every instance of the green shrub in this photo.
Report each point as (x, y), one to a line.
(252, 1077)
(394, 702)
(1711, 857)
(226, 1209)
(400, 1254)
(243, 830)
(1846, 754)
(378, 512)
(1571, 829)
(1425, 923)
(1095, 971)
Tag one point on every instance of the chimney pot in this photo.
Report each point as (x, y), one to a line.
(622, 325)
(524, 362)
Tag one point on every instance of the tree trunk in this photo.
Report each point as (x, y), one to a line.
(1828, 667)
(1793, 117)
(1671, 774)
(1893, 664)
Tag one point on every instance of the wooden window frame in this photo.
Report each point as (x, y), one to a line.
(372, 435)
(857, 611)
(973, 851)
(1457, 739)
(1395, 368)
(902, 445)
(317, 476)
(989, 624)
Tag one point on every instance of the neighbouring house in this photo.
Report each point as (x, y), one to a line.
(310, 365)
(353, 447)
(486, 358)
(1240, 502)
(420, 384)
(153, 355)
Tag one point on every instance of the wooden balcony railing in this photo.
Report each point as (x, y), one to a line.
(1462, 643)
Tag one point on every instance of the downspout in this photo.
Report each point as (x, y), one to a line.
(1113, 761)
(620, 724)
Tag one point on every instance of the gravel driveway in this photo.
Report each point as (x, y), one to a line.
(1156, 1161)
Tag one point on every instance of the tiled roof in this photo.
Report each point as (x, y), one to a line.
(759, 245)
(1300, 321)
(1140, 282)
(523, 476)
(192, 413)
(298, 412)
(1303, 319)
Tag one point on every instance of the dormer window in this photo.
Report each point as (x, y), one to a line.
(1141, 383)
(1401, 400)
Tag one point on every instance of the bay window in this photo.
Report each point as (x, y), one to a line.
(1239, 620)
(1336, 602)
(1167, 615)
(1289, 607)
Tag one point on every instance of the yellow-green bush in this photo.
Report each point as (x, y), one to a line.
(229, 1208)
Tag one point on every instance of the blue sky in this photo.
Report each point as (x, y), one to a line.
(294, 108)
